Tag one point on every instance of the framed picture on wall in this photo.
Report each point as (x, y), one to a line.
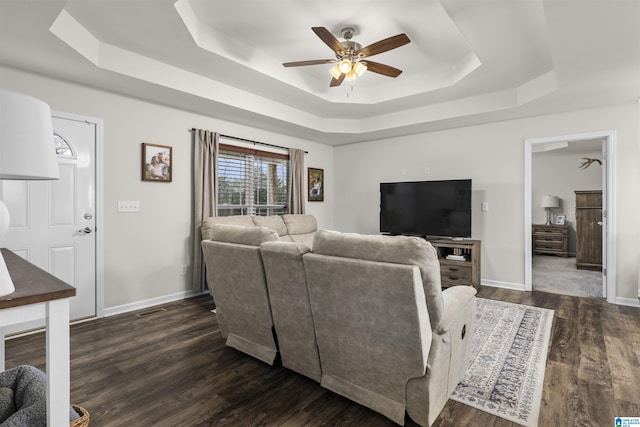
(315, 180)
(560, 219)
(156, 162)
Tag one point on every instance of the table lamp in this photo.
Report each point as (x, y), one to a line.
(27, 152)
(550, 202)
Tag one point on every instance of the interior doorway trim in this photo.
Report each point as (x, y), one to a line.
(609, 138)
(99, 194)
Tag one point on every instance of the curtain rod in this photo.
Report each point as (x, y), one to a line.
(251, 141)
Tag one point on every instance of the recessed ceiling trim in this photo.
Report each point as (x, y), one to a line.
(440, 74)
(125, 62)
(537, 88)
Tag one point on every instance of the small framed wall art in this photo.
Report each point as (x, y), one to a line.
(560, 219)
(156, 162)
(315, 180)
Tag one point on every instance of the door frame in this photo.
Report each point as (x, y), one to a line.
(609, 193)
(99, 195)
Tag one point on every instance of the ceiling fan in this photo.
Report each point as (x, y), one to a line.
(350, 55)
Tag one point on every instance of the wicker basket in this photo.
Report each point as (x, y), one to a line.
(83, 421)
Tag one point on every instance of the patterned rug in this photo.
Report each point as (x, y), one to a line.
(508, 357)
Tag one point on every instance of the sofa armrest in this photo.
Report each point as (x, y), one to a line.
(454, 299)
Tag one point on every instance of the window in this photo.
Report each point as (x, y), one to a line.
(251, 182)
(63, 149)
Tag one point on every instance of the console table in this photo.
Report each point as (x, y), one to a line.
(41, 295)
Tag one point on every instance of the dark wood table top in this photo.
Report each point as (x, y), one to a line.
(33, 285)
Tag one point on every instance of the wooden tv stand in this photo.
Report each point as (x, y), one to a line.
(458, 272)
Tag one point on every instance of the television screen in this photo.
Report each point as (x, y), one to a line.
(426, 208)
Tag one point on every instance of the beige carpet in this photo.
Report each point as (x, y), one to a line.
(560, 276)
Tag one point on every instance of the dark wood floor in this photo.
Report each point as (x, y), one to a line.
(172, 368)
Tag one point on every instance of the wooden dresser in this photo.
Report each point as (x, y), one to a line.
(550, 239)
(589, 230)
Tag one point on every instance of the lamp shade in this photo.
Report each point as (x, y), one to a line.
(550, 202)
(27, 150)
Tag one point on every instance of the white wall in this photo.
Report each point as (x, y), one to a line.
(143, 252)
(493, 156)
(557, 173)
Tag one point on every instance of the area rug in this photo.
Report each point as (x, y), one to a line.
(507, 362)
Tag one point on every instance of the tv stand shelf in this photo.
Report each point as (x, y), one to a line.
(458, 272)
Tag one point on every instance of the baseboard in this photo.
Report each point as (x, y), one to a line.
(631, 302)
(138, 305)
(504, 285)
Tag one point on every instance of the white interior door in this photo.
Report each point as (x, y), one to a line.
(53, 222)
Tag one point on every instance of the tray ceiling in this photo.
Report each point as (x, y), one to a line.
(468, 61)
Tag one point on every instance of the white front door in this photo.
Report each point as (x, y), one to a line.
(53, 223)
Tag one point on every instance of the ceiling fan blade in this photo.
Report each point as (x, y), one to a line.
(383, 45)
(385, 70)
(329, 39)
(311, 62)
(337, 82)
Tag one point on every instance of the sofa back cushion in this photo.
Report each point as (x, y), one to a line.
(372, 328)
(250, 236)
(392, 249)
(301, 228)
(287, 285)
(300, 223)
(273, 222)
(229, 220)
(238, 284)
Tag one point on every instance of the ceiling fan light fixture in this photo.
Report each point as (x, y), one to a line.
(349, 53)
(359, 68)
(351, 75)
(335, 71)
(345, 65)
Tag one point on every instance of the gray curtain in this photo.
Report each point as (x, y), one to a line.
(205, 191)
(296, 181)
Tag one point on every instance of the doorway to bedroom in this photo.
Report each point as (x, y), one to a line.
(567, 235)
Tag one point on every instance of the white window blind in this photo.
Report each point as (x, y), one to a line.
(251, 182)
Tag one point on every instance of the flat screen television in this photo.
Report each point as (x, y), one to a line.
(426, 208)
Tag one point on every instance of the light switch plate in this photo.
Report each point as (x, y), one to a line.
(128, 206)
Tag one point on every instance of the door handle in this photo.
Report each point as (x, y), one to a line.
(600, 223)
(85, 230)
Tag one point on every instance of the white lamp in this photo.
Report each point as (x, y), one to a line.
(27, 152)
(550, 202)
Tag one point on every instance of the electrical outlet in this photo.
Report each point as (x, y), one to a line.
(183, 270)
(485, 206)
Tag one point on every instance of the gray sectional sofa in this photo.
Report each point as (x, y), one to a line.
(363, 315)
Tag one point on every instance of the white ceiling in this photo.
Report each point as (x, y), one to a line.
(469, 61)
